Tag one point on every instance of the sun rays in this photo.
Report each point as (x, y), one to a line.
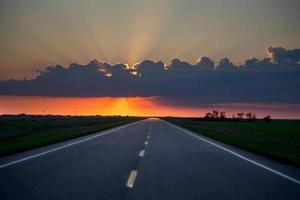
(148, 24)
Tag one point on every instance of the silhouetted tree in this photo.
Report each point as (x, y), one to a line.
(208, 115)
(249, 116)
(215, 114)
(222, 115)
(240, 116)
(254, 117)
(267, 118)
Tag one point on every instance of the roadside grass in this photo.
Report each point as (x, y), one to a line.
(279, 139)
(20, 133)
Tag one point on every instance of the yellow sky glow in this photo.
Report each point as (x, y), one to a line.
(137, 106)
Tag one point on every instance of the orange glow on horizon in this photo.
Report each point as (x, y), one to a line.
(133, 106)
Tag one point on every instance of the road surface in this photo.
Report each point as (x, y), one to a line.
(149, 159)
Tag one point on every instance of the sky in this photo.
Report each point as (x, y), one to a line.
(158, 57)
(134, 106)
(38, 33)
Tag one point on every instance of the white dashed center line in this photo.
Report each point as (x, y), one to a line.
(134, 173)
(142, 153)
(131, 178)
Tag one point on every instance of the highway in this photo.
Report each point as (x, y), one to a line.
(148, 159)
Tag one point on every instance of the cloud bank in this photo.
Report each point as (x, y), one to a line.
(272, 79)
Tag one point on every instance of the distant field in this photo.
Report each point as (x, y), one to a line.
(279, 139)
(23, 132)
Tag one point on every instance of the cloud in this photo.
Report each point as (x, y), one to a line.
(149, 67)
(180, 83)
(281, 55)
(226, 64)
(205, 62)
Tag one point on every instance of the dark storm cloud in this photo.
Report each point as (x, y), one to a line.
(274, 79)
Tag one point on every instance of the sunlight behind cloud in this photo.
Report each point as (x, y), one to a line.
(35, 34)
(149, 20)
(137, 106)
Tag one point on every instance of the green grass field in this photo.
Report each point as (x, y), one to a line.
(279, 139)
(22, 132)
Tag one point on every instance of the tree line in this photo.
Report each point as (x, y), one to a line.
(216, 115)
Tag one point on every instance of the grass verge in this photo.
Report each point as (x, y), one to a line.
(279, 139)
(20, 133)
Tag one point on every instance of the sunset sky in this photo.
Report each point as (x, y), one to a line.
(36, 34)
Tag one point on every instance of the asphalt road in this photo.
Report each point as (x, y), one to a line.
(149, 159)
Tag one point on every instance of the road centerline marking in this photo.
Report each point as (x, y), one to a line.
(131, 178)
(142, 153)
(239, 155)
